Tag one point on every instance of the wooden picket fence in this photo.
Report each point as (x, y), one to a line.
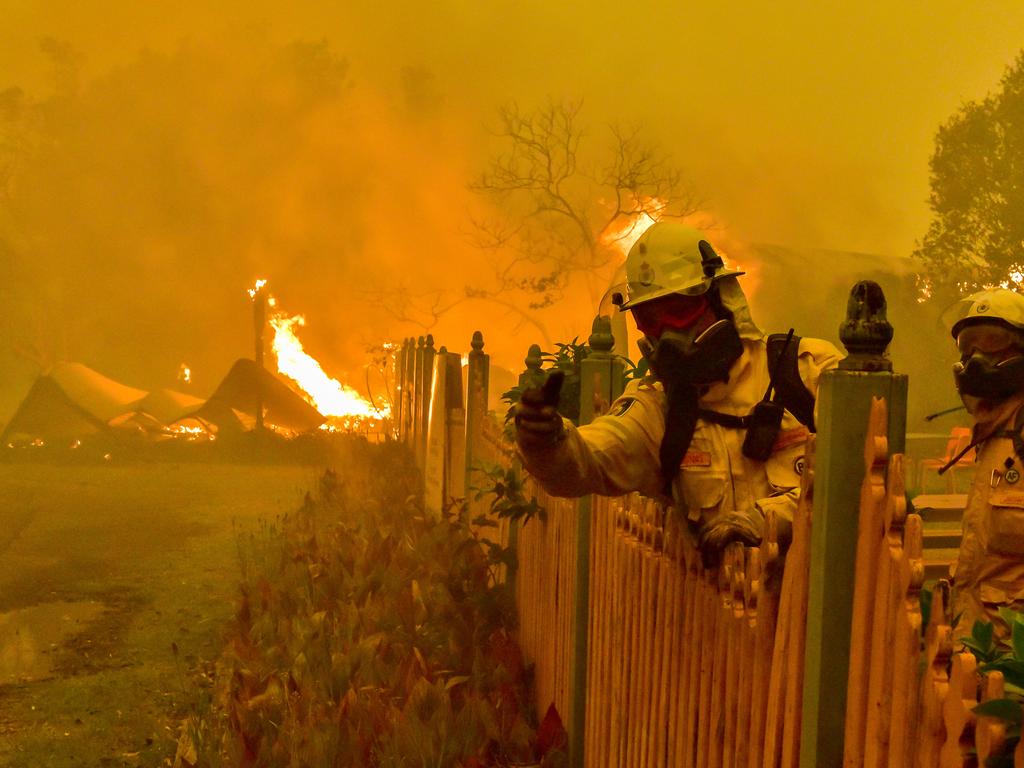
(688, 666)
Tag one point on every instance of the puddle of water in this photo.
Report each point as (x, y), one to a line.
(29, 637)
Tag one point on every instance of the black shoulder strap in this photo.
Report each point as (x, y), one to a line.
(1017, 434)
(789, 387)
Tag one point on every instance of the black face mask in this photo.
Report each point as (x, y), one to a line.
(679, 359)
(981, 376)
(684, 367)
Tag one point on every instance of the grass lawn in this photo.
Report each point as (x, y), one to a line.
(115, 585)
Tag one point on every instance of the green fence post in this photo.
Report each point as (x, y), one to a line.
(532, 376)
(601, 381)
(477, 383)
(844, 404)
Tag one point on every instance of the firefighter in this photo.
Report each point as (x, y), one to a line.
(989, 572)
(695, 432)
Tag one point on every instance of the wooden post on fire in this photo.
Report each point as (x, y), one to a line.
(259, 318)
(844, 403)
(601, 381)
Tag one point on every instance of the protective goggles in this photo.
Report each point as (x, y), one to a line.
(673, 312)
(987, 339)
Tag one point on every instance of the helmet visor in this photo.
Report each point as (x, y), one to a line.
(673, 312)
(987, 338)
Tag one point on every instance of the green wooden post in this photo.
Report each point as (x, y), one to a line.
(601, 381)
(477, 383)
(532, 376)
(844, 403)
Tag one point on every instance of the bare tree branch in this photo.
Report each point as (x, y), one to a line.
(560, 204)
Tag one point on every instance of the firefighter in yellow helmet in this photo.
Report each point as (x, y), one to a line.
(989, 573)
(696, 431)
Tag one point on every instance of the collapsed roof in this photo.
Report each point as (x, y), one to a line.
(72, 401)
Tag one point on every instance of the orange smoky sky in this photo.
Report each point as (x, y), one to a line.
(168, 154)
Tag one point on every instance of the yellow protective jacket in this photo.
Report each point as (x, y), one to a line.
(618, 452)
(989, 571)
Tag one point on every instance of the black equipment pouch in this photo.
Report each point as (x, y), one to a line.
(763, 427)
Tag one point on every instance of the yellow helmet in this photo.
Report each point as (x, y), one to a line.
(671, 258)
(995, 305)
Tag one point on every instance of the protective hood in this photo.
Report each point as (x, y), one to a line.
(735, 301)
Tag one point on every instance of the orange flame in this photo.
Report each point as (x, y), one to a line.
(332, 398)
(257, 288)
(340, 403)
(645, 214)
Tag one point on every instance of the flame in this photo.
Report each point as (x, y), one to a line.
(191, 433)
(1013, 281)
(257, 288)
(341, 404)
(636, 224)
(184, 374)
(332, 398)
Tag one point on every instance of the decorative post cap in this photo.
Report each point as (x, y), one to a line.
(430, 341)
(601, 340)
(534, 358)
(866, 332)
(477, 344)
(419, 342)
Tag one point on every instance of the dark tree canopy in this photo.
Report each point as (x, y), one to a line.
(976, 237)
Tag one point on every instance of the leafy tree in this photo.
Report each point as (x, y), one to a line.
(559, 203)
(976, 237)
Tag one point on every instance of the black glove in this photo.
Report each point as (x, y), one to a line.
(538, 423)
(716, 535)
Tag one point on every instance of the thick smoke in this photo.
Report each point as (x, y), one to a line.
(155, 162)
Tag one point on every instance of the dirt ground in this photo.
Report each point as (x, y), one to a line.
(115, 584)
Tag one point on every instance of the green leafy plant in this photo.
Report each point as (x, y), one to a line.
(1005, 655)
(635, 371)
(507, 490)
(370, 634)
(568, 359)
